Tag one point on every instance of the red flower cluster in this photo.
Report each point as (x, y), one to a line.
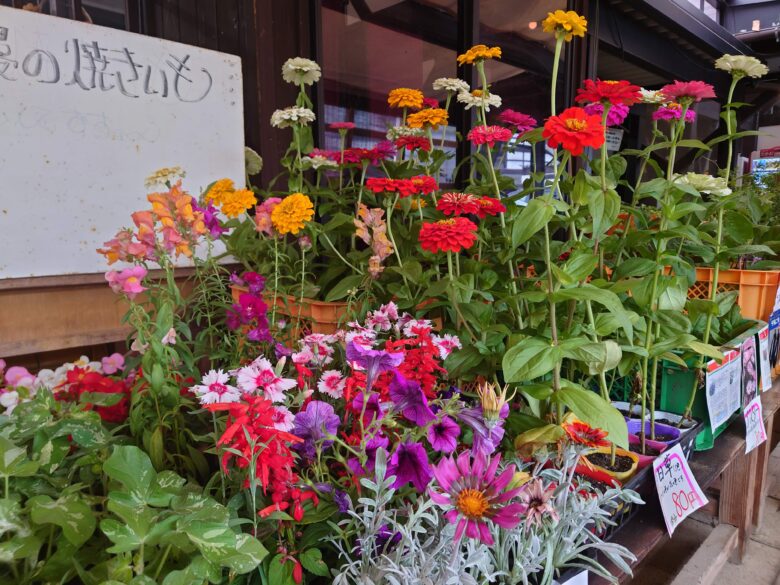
(421, 185)
(574, 129)
(448, 235)
(354, 156)
(612, 92)
(412, 142)
(81, 380)
(429, 102)
(253, 420)
(421, 359)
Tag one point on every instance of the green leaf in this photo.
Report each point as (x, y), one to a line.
(14, 462)
(280, 572)
(602, 296)
(123, 537)
(68, 512)
(673, 295)
(533, 218)
(101, 398)
(311, 560)
(529, 359)
(705, 349)
(343, 287)
(594, 410)
(738, 227)
(248, 554)
(133, 468)
(545, 434)
(635, 267)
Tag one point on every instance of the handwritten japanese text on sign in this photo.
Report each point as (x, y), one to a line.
(678, 491)
(755, 433)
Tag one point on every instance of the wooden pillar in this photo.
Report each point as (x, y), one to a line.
(468, 35)
(737, 498)
(762, 456)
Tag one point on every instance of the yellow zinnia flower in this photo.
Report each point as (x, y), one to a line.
(570, 24)
(292, 213)
(403, 97)
(235, 203)
(479, 53)
(219, 190)
(433, 117)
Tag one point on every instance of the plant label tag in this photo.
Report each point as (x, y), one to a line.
(763, 359)
(678, 491)
(755, 433)
(724, 387)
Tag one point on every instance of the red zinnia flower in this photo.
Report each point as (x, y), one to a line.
(520, 121)
(412, 142)
(489, 135)
(690, 91)
(341, 125)
(574, 130)
(448, 235)
(584, 434)
(423, 185)
(429, 102)
(458, 204)
(489, 206)
(613, 92)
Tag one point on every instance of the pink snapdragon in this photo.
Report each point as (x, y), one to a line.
(127, 281)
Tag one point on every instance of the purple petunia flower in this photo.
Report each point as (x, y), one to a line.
(373, 410)
(372, 446)
(340, 497)
(443, 435)
(488, 432)
(409, 400)
(314, 425)
(374, 361)
(409, 463)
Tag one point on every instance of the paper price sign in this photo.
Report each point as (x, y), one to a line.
(763, 359)
(678, 491)
(755, 433)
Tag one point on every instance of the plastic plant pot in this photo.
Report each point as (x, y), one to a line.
(635, 428)
(645, 460)
(621, 476)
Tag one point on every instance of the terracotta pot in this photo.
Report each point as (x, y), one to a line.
(320, 316)
(645, 460)
(621, 476)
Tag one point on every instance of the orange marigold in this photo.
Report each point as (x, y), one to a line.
(403, 97)
(430, 117)
(479, 53)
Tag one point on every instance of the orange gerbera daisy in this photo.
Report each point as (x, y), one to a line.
(574, 129)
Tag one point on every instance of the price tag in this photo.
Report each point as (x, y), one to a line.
(724, 387)
(755, 433)
(763, 359)
(678, 491)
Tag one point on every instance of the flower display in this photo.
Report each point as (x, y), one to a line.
(448, 235)
(260, 377)
(403, 97)
(567, 24)
(237, 202)
(574, 130)
(314, 425)
(475, 495)
(584, 434)
(420, 185)
(489, 135)
(428, 118)
(298, 70)
(443, 435)
(218, 190)
(741, 66)
(612, 92)
(479, 53)
(412, 143)
(687, 91)
(519, 121)
(537, 502)
(290, 215)
(214, 388)
(489, 206)
(371, 228)
(292, 116)
(341, 125)
(651, 96)
(409, 399)
(163, 178)
(409, 464)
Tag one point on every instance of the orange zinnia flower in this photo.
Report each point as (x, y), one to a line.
(403, 97)
(479, 53)
(573, 129)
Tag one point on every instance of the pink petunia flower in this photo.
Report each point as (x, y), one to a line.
(332, 383)
(127, 281)
(260, 376)
(476, 496)
(113, 363)
(689, 91)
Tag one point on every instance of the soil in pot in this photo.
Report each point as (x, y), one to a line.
(637, 448)
(604, 460)
(664, 437)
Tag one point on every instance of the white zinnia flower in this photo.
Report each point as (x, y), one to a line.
(318, 161)
(163, 177)
(741, 66)
(705, 183)
(292, 116)
(397, 132)
(299, 70)
(450, 85)
(485, 100)
(652, 96)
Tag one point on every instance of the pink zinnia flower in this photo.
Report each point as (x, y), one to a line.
(476, 496)
(692, 91)
(341, 125)
(332, 383)
(260, 375)
(489, 135)
(113, 363)
(673, 111)
(214, 388)
(617, 112)
(520, 121)
(127, 281)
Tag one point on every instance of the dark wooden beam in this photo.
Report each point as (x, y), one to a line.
(468, 35)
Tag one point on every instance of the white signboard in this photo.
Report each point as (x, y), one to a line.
(678, 490)
(724, 387)
(755, 432)
(87, 113)
(763, 359)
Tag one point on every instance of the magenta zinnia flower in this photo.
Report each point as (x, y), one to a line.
(520, 121)
(536, 500)
(689, 91)
(673, 111)
(616, 115)
(476, 495)
(409, 463)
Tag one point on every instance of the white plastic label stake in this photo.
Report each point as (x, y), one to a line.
(678, 491)
(755, 433)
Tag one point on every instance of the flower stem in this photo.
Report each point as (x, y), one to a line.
(276, 280)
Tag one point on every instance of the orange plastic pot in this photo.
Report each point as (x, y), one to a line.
(621, 476)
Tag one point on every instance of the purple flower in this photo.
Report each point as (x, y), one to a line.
(373, 410)
(373, 361)
(372, 446)
(488, 431)
(443, 435)
(340, 497)
(409, 463)
(409, 399)
(210, 219)
(282, 351)
(384, 541)
(314, 425)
